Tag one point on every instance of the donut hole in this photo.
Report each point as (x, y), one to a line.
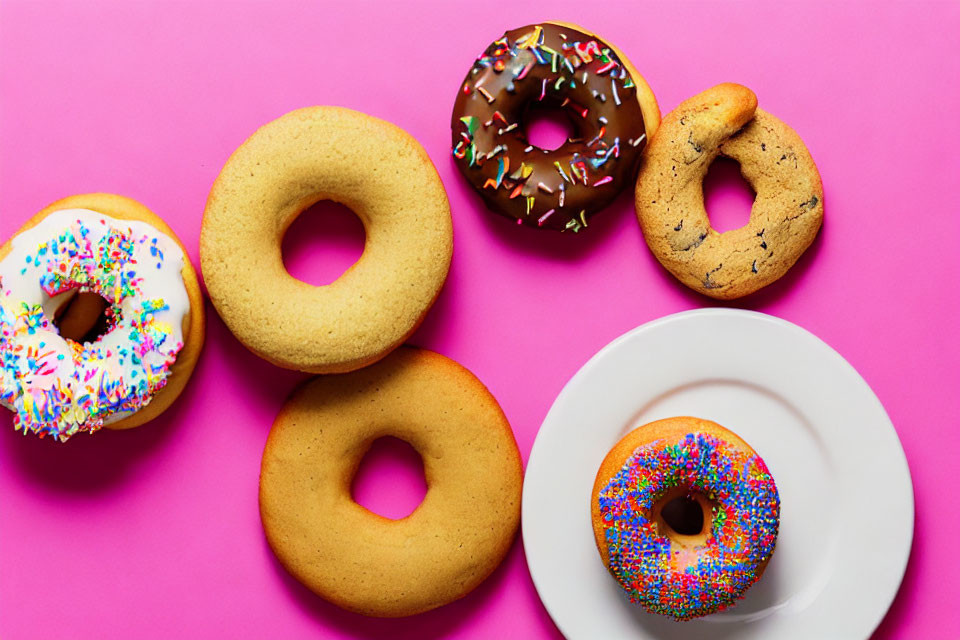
(547, 126)
(83, 316)
(727, 197)
(684, 516)
(390, 480)
(322, 243)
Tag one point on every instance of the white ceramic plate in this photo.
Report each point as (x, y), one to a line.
(846, 498)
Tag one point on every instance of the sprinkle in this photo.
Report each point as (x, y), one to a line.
(544, 188)
(486, 94)
(603, 180)
(607, 67)
(53, 394)
(531, 39)
(544, 217)
(639, 139)
(504, 166)
(560, 169)
(741, 536)
(471, 123)
(616, 96)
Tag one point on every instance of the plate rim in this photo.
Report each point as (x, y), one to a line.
(616, 343)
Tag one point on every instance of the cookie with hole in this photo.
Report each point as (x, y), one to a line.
(786, 214)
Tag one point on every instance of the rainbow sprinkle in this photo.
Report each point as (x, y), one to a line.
(654, 572)
(60, 387)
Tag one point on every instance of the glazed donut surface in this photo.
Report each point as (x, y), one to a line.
(609, 106)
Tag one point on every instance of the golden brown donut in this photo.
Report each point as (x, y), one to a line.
(377, 170)
(85, 309)
(357, 559)
(784, 219)
(689, 557)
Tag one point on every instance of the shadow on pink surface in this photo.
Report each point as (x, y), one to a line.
(523, 239)
(441, 622)
(85, 463)
(769, 295)
(92, 463)
(390, 480)
(322, 243)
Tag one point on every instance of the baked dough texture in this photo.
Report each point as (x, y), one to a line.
(355, 558)
(386, 178)
(786, 214)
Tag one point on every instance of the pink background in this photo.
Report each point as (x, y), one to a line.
(154, 533)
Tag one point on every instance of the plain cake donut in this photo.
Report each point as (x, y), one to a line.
(378, 171)
(355, 558)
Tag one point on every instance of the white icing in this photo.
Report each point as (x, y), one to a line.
(20, 283)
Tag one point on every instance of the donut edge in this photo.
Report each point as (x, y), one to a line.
(645, 95)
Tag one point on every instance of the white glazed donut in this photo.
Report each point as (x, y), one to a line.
(57, 386)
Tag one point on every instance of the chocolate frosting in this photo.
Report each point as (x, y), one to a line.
(557, 67)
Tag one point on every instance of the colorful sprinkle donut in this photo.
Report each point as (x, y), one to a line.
(133, 263)
(699, 571)
(608, 103)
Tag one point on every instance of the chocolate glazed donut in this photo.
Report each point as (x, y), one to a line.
(556, 66)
